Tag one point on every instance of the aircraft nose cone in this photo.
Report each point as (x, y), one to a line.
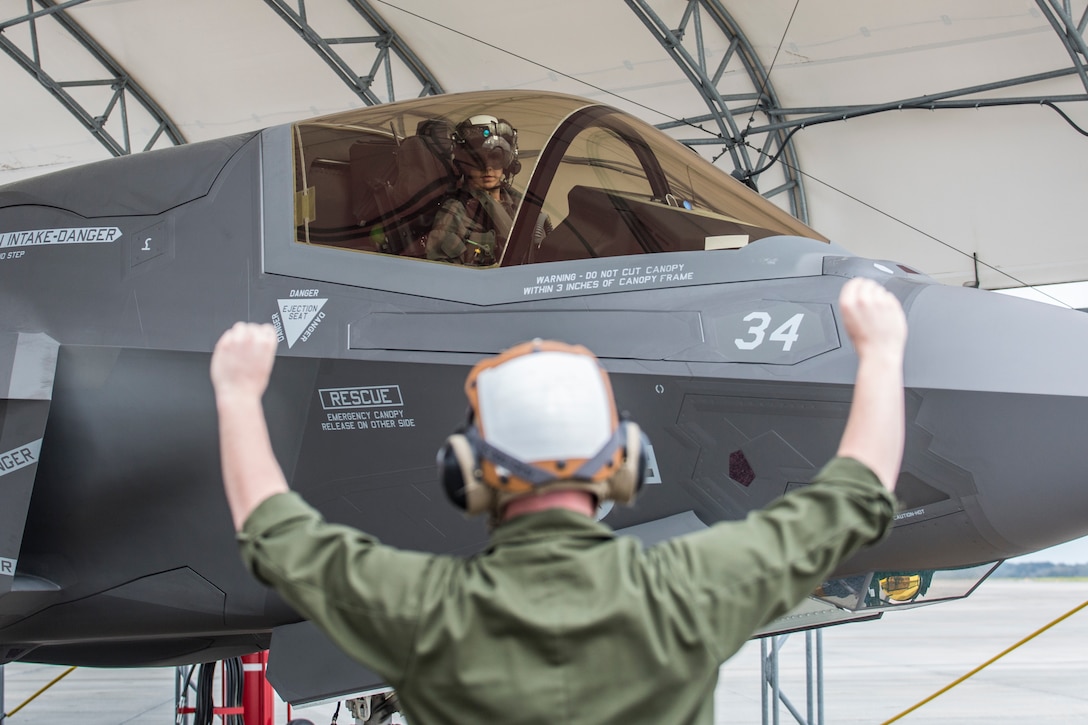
(999, 399)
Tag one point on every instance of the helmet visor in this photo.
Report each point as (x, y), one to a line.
(492, 152)
(486, 142)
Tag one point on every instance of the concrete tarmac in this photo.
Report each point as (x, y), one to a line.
(872, 671)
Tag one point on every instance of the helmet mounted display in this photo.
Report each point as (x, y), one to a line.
(486, 142)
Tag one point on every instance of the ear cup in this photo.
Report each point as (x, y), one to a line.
(450, 476)
(458, 463)
(625, 484)
(643, 458)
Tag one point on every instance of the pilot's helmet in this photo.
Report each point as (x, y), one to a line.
(485, 141)
(543, 418)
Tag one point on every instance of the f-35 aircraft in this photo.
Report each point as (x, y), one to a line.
(714, 311)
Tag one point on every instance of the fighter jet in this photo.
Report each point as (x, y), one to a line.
(368, 240)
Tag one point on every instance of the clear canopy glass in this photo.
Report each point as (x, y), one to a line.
(587, 181)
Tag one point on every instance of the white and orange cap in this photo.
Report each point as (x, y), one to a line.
(547, 406)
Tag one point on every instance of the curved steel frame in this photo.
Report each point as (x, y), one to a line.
(1060, 16)
(118, 80)
(784, 120)
(385, 41)
(723, 108)
(726, 108)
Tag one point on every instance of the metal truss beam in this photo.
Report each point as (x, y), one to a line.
(731, 113)
(1058, 13)
(782, 122)
(103, 123)
(387, 44)
(814, 115)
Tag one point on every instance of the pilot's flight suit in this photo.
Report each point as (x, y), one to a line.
(471, 227)
(559, 620)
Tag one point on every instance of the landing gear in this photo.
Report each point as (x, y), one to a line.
(374, 709)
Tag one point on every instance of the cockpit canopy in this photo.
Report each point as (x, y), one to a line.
(583, 180)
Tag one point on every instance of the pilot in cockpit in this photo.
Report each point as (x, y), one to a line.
(473, 224)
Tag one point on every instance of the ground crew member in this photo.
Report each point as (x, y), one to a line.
(558, 620)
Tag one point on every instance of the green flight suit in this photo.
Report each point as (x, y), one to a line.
(559, 620)
(472, 228)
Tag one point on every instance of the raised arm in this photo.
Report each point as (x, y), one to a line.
(875, 428)
(241, 365)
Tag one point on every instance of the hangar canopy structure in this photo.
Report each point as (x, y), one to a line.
(949, 136)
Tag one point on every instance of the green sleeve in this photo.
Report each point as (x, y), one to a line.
(363, 594)
(744, 574)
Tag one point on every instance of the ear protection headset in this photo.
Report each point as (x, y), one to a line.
(481, 469)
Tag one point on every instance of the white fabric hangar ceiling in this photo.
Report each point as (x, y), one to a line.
(930, 187)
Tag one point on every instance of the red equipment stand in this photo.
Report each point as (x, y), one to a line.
(258, 703)
(221, 711)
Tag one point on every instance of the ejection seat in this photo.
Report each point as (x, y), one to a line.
(396, 205)
(331, 222)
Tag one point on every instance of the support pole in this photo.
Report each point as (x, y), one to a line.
(771, 694)
(182, 676)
